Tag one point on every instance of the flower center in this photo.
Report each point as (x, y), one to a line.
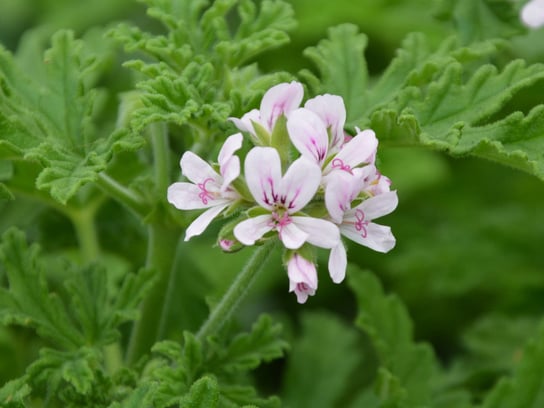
(205, 195)
(280, 219)
(361, 224)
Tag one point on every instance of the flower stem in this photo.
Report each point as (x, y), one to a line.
(236, 292)
(122, 194)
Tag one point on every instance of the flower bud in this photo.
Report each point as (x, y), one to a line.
(302, 277)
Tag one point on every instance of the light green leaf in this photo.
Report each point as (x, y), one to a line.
(482, 19)
(525, 389)
(204, 393)
(342, 67)
(51, 121)
(248, 350)
(28, 301)
(13, 393)
(322, 363)
(407, 369)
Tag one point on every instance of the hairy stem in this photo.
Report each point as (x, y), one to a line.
(236, 292)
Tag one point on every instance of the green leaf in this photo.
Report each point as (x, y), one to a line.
(204, 393)
(322, 363)
(140, 397)
(482, 19)
(28, 301)
(248, 350)
(406, 367)
(51, 122)
(198, 77)
(526, 386)
(14, 393)
(342, 67)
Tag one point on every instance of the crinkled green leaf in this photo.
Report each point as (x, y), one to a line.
(14, 393)
(51, 121)
(235, 396)
(407, 369)
(199, 78)
(482, 19)
(342, 67)
(525, 388)
(28, 301)
(204, 393)
(248, 350)
(322, 363)
(140, 397)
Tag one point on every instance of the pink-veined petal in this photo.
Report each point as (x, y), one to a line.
(188, 196)
(375, 236)
(250, 230)
(331, 109)
(360, 149)
(198, 170)
(378, 206)
(231, 145)
(198, 226)
(308, 134)
(321, 233)
(302, 277)
(292, 237)
(340, 191)
(299, 184)
(337, 263)
(245, 123)
(263, 175)
(280, 100)
(230, 170)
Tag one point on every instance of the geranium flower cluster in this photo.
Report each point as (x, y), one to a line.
(305, 181)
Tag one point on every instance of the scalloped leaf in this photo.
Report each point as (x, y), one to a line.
(406, 367)
(187, 84)
(525, 388)
(51, 122)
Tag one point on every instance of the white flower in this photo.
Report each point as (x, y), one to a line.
(302, 277)
(356, 223)
(207, 188)
(532, 14)
(282, 198)
(277, 101)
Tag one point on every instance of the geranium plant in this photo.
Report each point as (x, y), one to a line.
(207, 204)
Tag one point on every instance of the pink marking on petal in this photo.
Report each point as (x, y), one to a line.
(339, 164)
(361, 224)
(205, 195)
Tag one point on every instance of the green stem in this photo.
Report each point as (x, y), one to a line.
(236, 292)
(84, 224)
(158, 133)
(122, 194)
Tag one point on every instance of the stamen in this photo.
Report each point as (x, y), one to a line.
(361, 224)
(339, 164)
(205, 195)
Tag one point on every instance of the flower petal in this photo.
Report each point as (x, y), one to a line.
(280, 100)
(337, 263)
(376, 237)
(198, 170)
(340, 191)
(188, 196)
(263, 175)
(292, 237)
(198, 226)
(360, 149)
(230, 170)
(308, 134)
(245, 122)
(378, 206)
(299, 184)
(321, 233)
(332, 111)
(250, 230)
(532, 14)
(231, 145)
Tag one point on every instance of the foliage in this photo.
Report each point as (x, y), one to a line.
(101, 300)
